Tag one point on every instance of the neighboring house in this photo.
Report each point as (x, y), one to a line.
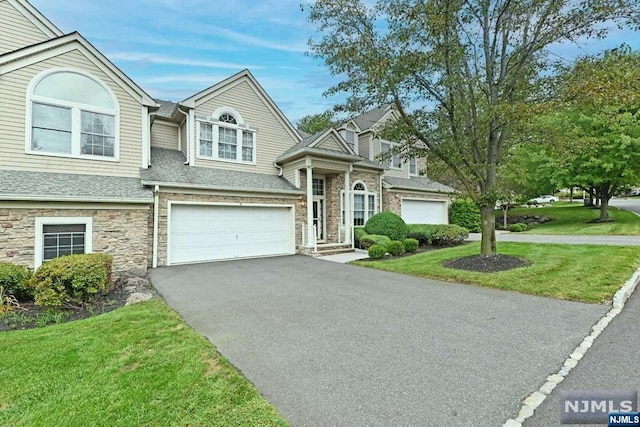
(91, 163)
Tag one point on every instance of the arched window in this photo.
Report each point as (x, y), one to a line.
(359, 186)
(226, 137)
(72, 114)
(363, 203)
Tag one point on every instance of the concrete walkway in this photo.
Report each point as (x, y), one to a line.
(345, 257)
(335, 344)
(562, 239)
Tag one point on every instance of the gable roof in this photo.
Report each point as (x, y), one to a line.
(167, 109)
(36, 18)
(16, 59)
(243, 76)
(369, 119)
(169, 170)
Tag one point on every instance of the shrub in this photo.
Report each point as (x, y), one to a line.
(448, 235)
(71, 279)
(421, 232)
(387, 224)
(13, 279)
(358, 233)
(374, 239)
(410, 245)
(466, 214)
(377, 251)
(518, 227)
(395, 247)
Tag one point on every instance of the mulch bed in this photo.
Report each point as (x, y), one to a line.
(486, 264)
(30, 315)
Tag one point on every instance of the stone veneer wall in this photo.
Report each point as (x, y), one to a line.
(392, 199)
(122, 233)
(300, 213)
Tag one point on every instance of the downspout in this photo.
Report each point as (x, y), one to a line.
(156, 205)
(281, 172)
(188, 154)
(151, 115)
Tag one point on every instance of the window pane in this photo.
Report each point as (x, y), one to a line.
(51, 141)
(413, 167)
(74, 87)
(372, 205)
(206, 139)
(63, 239)
(247, 146)
(359, 187)
(227, 118)
(227, 142)
(318, 187)
(51, 129)
(50, 253)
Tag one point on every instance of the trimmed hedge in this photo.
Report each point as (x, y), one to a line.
(358, 234)
(377, 251)
(395, 247)
(13, 278)
(518, 227)
(410, 245)
(438, 234)
(374, 239)
(71, 280)
(387, 224)
(466, 214)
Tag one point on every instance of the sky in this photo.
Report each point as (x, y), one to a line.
(176, 48)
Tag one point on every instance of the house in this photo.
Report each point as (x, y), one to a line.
(89, 162)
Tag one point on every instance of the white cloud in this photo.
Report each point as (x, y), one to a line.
(170, 60)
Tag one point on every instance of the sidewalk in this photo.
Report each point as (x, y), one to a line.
(561, 239)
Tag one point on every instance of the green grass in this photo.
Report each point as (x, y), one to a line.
(573, 218)
(138, 365)
(587, 273)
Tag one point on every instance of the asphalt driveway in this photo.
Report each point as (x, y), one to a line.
(333, 344)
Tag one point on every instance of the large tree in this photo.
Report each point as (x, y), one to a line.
(314, 123)
(460, 73)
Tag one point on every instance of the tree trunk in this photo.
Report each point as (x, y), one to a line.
(488, 228)
(571, 195)
(604, 209)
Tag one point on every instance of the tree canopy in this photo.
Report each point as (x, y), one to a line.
(461, 73)
(314, 123)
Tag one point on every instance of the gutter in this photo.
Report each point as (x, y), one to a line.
(21, 198)
(231, 189)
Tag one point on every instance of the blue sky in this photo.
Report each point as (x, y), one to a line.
(175, 48)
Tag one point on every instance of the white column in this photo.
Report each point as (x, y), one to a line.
(310, 233)
(347, 208)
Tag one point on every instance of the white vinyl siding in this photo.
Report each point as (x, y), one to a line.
(272, 139)
(164, 135)
(17, 31)
(13, 92)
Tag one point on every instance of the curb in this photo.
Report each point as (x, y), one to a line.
(535, 399)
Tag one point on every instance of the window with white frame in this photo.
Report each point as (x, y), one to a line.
(395, 161)
(72, 114)
(226, 137)
(352, 139)
(56, 237)
(363, 204)
(413, 166)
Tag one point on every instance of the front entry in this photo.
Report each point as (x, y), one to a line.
(319, 209)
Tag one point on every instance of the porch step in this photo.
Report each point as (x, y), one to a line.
(332, 251)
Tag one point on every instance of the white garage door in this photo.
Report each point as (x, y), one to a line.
(424, 212)
(207, 233)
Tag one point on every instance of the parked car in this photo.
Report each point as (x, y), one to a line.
(543, 199)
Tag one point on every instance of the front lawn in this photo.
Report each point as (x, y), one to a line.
(587, 273)
(138, 365)
(573, 218)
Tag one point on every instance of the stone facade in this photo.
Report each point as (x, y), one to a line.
(122, 233)
(392, 199)
(300, 212)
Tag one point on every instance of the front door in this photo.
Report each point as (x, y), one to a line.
(319, 209)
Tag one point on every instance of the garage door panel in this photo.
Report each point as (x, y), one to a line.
(424, 212)
(207, 233)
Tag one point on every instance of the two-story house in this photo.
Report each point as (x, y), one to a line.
(89, 162)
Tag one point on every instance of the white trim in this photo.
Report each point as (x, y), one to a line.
(180, 185)
(190, 135)
(36, 18)
(40, 221)
(146, 138)
(292, 216)
(240, 128)
(156, 228)
(415, 159)
(76, 109)
(37, 53)
(391, 146)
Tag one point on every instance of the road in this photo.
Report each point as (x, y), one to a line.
(631, 204)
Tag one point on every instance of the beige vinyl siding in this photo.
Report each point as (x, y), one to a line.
(396, 173)
(330, 143)
(422, 165)
(164, 135)
(289, 174)
(16, 31)
(363, 145)
(183, 138)
(272, 139)
(13, 92)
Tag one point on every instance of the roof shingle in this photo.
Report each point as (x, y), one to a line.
(417, 184)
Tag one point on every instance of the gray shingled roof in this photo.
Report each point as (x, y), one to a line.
(371, 117)
(166, 108)
(418, 184)
(27, 185)
(168, 168)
